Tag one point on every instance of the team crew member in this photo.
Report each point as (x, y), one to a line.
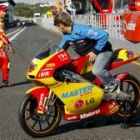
(87, 40)
(4, 42)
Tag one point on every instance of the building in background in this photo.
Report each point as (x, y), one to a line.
(9, 18)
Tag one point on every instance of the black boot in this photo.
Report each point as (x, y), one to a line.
(5, 83)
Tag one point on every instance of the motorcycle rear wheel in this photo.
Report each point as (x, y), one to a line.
(131, 86)
(38, 125)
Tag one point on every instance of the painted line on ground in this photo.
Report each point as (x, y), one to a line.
(136, 63)
(13, 32)
(13, 37)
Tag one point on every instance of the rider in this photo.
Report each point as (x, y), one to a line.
(88, 40)
(4, 41)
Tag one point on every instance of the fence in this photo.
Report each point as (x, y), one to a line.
(111, 23)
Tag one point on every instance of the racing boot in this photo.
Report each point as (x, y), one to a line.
(5, 83)
(113, 92)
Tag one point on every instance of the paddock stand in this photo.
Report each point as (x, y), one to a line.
(126, 124)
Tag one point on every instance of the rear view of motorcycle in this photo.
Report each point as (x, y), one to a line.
(63, 89)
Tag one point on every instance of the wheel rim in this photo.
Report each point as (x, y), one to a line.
(131, 88)
(40, 123)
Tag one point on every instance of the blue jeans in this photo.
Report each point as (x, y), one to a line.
(99, 68)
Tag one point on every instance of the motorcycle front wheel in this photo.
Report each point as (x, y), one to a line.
(129, 109)
(38, 125)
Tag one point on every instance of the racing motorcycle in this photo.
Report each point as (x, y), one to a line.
(63, 86)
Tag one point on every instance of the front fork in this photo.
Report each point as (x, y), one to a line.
(44, 96)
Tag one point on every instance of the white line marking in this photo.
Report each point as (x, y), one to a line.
(136, 63)
(13, 32)
(13, 37)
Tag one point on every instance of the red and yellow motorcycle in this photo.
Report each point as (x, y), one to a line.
(64, 87)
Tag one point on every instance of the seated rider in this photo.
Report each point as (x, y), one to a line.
(88, 40)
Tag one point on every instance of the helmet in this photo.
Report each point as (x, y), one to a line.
(3, 8)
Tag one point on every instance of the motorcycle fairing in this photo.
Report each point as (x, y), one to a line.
(45, 68)
(90, 98)
(121, 57)
(74, 103)
(105, 109)
(78, 97)
(121, 76)
(56, 61)
(82, 65)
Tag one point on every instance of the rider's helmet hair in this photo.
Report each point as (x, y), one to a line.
(62, 18)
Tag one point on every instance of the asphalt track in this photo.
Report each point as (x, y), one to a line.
(26, 45)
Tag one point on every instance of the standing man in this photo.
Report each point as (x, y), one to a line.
(4, 42)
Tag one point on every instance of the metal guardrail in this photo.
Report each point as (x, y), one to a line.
(111, 23)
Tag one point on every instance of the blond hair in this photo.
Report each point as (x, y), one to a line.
(62, 18)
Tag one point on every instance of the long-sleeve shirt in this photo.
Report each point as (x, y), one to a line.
(80, 37)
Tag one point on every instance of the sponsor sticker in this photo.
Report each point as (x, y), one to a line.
(77, 92)
(90, 114)
(43, 74)
(63, 56)
(130, 54)
(50, 65)
(41, 100)
(89, 102)
(78, 104)
(72, 118)
(90, 31)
